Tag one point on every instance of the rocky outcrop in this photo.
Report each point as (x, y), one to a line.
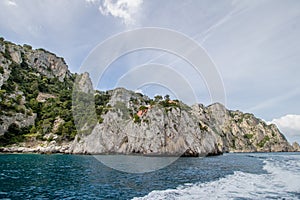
(48, 64)
(43, 61)
(5, 70)
(42, 97)
(296, 147)
(84, 84)
(158, 133)
(15, 107)
(39, 147)
(241, 132)
(176, 129)
(20, 119)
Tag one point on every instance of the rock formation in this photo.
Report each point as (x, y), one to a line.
(296, 147)
(40, 114)
(174, 129)
(32, 85)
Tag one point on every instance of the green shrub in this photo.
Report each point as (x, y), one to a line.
(136, 118)
(143, 108)
(100, 120)
(12, 136)
(167, 97)
(263, 141)
(158, 98)
(27, 46)
(2, 95)
(233, 144)
(101, 98)
(1, 70)
(248, 136)
(6, 53)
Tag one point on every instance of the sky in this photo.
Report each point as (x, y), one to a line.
(254, 45)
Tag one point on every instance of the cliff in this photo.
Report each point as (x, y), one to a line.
(35, 97)
(136, 124)
(36, 115)
(241, 132)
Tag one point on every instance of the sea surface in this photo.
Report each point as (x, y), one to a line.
(230, 176)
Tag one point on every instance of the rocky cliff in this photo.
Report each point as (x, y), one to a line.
(241, 132)
(37, 104)
(35, 96)
(136, 124)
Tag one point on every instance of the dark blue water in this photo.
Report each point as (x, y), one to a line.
(31, 176)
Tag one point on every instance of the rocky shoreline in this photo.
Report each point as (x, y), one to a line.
(66, 149)
(51, 149)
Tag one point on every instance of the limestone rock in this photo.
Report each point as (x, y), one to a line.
(159, 133)
(196, 130)
(296, 147)
(84, 83)
(48, 64)
(20, 119)
(42, 97)
(6, 71)
(42, 63)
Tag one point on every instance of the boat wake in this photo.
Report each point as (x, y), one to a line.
(281, 181)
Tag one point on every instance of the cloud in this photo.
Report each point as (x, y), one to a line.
(124, 9)
(11, 3)
(288, 121)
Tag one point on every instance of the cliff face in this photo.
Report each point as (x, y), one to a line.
(296, 146)
(36, 115)
(158, 129)
(35, 88)
(241, 132)
(44, 62)
(135, 124)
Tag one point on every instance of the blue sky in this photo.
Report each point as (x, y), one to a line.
(254, 44)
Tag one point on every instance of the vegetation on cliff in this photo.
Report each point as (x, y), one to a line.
(22, 93)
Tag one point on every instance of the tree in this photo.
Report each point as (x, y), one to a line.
(158, 98)
(136, 118)
(1, 70)
(13, 135)
(143, 108)
(167, 97)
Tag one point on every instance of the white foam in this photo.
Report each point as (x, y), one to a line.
(281, 181)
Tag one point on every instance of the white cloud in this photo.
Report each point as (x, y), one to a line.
(11, 3)
(124, 9)
(288, 121)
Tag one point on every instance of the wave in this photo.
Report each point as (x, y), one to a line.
(282, 180)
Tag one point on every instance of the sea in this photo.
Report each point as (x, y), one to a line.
(229, 176)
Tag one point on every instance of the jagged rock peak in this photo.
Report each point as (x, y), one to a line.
(84, 83)
(43, 61)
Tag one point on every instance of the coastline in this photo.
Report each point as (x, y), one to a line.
(65, 149)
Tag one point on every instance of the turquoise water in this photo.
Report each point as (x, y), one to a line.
(231, 176)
